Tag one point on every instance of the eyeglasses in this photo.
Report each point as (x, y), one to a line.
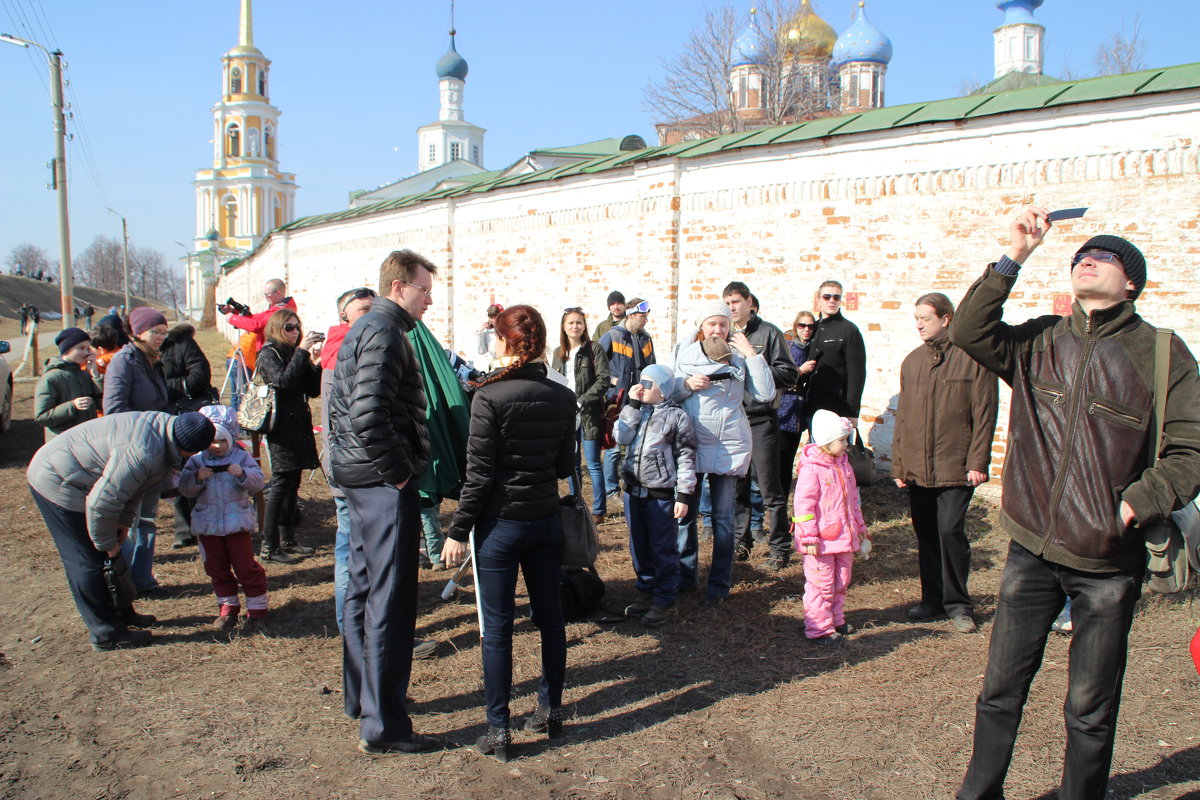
(641, 308)
(806, 324)
(428, 292)
(362, 294)
(1098, 255)
(291, 327)
(831, 297)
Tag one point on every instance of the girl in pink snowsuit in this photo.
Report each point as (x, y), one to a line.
(828, 526)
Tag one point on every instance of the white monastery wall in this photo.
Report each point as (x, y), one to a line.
(890, 214)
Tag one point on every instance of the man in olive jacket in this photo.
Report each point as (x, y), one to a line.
(941, 451)
(1077, 486)
(379, 448)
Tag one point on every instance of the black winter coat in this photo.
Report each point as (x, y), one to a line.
(837, 383)
(295, 378)
(768, 340)
(522, 441)
(591, 383)
(185, 367)
(377, 403)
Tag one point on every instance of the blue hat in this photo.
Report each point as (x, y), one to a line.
(661, 376)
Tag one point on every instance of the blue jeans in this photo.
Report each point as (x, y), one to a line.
(612, 470)
(341, 558)
(431, 529)
(705, 504)
(235, 383)
(654, 546)
(138, 547)
(1032, 591)
(535, 546)
(589, 450)
(723, 491)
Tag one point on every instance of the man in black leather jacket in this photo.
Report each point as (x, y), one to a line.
(379, 447)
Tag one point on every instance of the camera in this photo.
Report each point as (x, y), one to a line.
(237, 307)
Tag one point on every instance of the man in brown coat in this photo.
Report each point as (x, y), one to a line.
(943, 444)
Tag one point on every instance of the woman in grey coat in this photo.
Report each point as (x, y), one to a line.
(713, 379)
(89, 483)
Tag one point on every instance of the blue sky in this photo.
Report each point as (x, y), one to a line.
(355, 79)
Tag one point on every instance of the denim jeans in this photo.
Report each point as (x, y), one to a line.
(535, 546)
(431, 529)
(232, 366)
(341, 558)
(1032, 591)
(612, 471)
(138, 547)
(589, 450)
(654, 546)
(723, 491)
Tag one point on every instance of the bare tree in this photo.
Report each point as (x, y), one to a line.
(1123, 52)
(100, 265)
(697, 89)
(29, 257)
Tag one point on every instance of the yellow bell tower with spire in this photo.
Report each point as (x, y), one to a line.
(244, 195)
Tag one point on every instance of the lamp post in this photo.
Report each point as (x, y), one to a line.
(124, 255)
(66, 280)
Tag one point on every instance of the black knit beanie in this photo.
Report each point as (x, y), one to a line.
(1131, 257)
(615, 297)
(69, 338)
(193, 432)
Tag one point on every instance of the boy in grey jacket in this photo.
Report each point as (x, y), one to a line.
(660, 478)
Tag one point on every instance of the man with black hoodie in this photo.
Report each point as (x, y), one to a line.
(764, 432)
(840, 359)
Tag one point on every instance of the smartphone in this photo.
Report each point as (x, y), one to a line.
(220, 468)
(720, 376)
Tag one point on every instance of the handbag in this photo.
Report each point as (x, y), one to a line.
(581, 542)
(256, 412)
(862, 460)
(1171, 544)
(118, 581)
(209, 397)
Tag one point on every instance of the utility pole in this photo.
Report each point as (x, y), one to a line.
(124, 255)
(66, 281)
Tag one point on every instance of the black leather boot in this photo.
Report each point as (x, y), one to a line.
(547, 720)
(271, 551)
(496, 743)
(289, 545)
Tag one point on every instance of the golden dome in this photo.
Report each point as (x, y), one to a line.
(806, 35)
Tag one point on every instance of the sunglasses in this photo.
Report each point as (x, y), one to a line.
(573, 310)
(1101, 255)
(362, 294)
(831, 297)
(291, 326)
(806, 324)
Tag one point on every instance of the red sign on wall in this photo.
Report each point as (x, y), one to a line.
(1062, 304)
(850, 301)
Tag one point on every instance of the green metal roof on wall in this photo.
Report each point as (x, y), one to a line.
(608, 156)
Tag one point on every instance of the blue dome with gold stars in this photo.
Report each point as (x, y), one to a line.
(862, 41)
(748, 48)
(452, 65)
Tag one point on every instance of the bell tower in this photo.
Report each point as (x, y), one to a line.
(243, 195)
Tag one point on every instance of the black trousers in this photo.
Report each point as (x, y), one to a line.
(939, 517)
(379, 618)
(789, 443)
(84, 565)
(280, 507)
(764, 460)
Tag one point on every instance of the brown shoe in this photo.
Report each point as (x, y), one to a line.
(598, 519)
(226, 622)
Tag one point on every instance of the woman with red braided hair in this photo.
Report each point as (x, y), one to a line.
(522, 440)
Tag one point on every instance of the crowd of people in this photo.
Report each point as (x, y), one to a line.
(739, 414)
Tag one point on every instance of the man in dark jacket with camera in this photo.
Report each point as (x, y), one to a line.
(764, 432)
(839, 357)
(379, 447)
(1078, 485)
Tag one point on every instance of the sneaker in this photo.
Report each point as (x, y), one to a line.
(123, 640)
(845, 629)
(425, 649)
(657, 616)
(963, 623)
(413, 743)
(226, 622)
(640, 606)
(829, 638)
(921, 612)
(775, 564)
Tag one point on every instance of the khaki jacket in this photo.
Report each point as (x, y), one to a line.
(946, 417)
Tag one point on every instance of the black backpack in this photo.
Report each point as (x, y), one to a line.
(582, 591)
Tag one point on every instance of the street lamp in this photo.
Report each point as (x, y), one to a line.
(124, 255)
(66, 280)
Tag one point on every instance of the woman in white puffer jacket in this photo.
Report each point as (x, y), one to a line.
(713, 379)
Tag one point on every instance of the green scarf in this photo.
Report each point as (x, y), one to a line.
(449, 415)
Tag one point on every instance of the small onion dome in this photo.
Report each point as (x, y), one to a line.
(1019, 11)
(862, 41)
(748, 48)
(806, 35)
(452, 65)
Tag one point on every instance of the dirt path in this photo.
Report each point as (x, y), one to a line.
(726, 704)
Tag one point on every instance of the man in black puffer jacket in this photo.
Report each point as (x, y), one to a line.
(379, 447)
(840, 359)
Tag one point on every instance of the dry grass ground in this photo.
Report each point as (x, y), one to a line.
(733, 703)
